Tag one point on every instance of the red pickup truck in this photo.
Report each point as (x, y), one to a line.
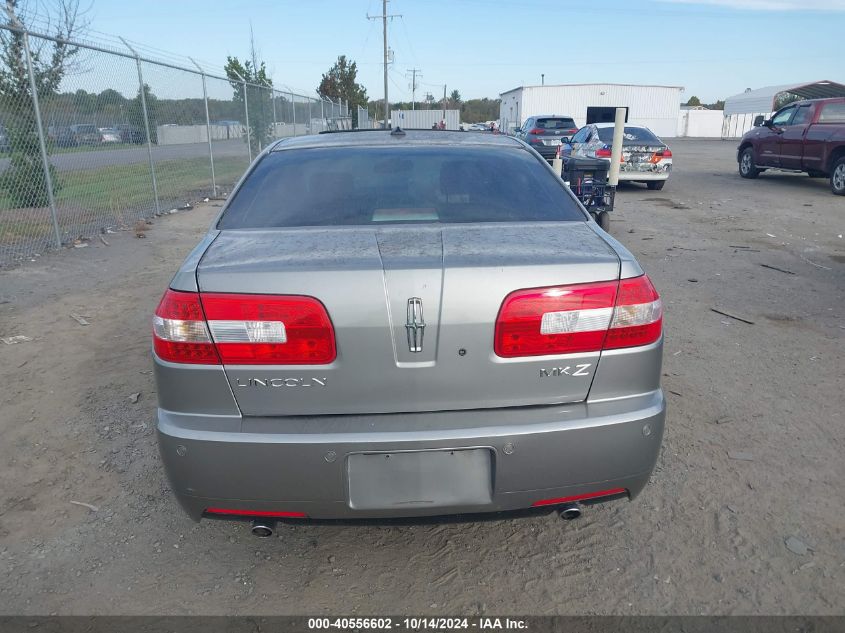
(804, 136)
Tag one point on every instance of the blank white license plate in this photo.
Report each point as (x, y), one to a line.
(420, 479)
(552, 142)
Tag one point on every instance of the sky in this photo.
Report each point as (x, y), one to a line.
(713, 48)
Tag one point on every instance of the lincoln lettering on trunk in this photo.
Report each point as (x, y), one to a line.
(281, 382)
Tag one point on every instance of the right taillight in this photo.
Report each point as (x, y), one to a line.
(638, 315)
(578, 318)
(242, 329)
(603, 152)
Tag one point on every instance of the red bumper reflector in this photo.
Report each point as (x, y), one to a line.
(589, 495)
(256, 513)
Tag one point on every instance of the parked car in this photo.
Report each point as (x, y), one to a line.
(545, 133)
(131, 133)
(805, 136)
(109, 135)
(645, 158)
(421, 324)
(61, 136)
(86, 134)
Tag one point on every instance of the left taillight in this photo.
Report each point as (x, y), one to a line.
(269, 329)
(180, 333)
(243, 329)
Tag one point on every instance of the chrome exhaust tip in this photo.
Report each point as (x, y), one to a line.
(570, 512)
(263, 529)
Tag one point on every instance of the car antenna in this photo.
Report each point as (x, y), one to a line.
(398, 131)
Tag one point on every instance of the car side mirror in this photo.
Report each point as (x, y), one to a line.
(768, 123)
(758, 120)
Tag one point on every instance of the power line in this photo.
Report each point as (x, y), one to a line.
(384, 16)
(414, 72)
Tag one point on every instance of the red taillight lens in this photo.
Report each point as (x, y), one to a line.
(536, 130)
(667, 153)
(180, 334)
(242, 329)
(573, 130)
(603, 152)
(578, 318)
(269, 329)
(590, 495)
(555, 320)
(660, 155)
(638, 316)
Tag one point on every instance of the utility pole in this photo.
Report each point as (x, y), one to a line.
(383, 18)
(444, 102)
(414, 72)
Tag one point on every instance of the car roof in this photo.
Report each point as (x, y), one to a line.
(371, 138)
(626, 125)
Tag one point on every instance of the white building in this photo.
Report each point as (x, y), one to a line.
(655, 107)
(742, 109)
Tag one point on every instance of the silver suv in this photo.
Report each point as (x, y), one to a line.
(546, 133)
(405, 324)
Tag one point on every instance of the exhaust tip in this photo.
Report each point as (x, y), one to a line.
(570, 512)
(262, 529)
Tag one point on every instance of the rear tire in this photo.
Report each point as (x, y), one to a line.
(603, 220)
(655, 185)
(746, 164)
(837, 177)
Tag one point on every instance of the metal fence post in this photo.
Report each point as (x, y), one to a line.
(143, 91)
(293, 111)
(246, 113)
(310, 119)
(207, 129)
(45, 163)
(323, 111)
(273, 101)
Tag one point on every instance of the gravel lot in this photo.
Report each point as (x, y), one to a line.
(712, 534)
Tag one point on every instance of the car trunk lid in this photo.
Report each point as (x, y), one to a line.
(391, 290)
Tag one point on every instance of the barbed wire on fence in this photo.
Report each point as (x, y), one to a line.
(125, 137)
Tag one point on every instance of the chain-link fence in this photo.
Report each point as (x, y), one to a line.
(120, 138)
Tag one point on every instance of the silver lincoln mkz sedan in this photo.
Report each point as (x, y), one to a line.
(405, 324)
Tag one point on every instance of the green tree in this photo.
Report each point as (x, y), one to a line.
(259, 91)
(694, 101)
(340, 82)
(455, 99)
(480, 110)
(135, 113)
(24, 180)
(785, 98)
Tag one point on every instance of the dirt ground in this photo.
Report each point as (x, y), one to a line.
(744, 514)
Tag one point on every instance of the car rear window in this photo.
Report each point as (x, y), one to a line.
(396, 185)
(832, 113)
(632, 136)
(556, 124)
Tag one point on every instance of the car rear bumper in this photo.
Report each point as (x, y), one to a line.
(546, 151)
(642, 176)
(302, 464)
